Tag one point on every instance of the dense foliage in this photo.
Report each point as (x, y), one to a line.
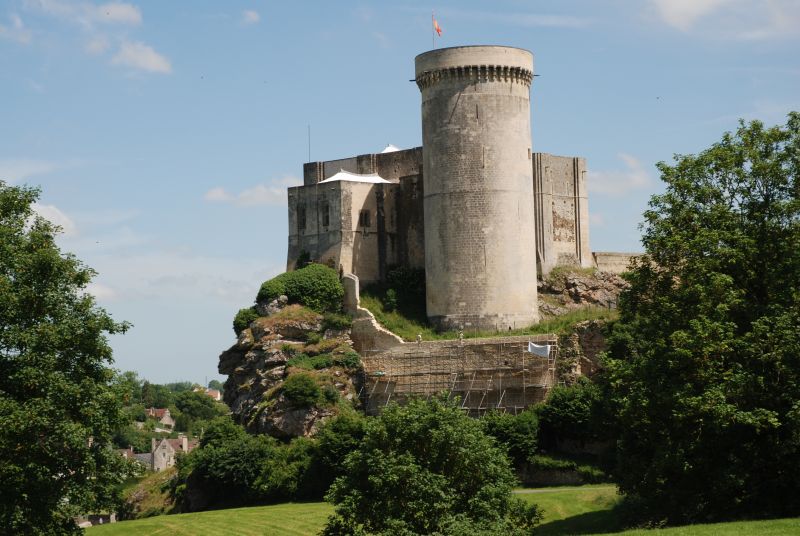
(575, 413)
(315, 286)
(426, 468)
(232, 468)
(517, 433)
(57, 408)
(704, 364)
(243, 319)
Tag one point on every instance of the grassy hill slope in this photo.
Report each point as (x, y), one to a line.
(580, 510)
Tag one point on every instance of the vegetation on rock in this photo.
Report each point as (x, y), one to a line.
(315, 286)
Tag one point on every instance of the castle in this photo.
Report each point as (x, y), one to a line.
(475, 207)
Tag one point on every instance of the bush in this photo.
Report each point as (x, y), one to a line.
(454, 478)
(243, 319)
(336, 321)
(272, 289)
(305, 361)
(315, 286)
(301, 390)
(517, 433)
(349, 360)
(574, 413)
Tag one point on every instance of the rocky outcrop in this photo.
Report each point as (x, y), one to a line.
(564, 290)
(286, 340)
(579, 351)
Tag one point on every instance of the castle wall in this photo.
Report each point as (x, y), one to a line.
(323, 243)
(613, 262)
(480, 259)
(562, 211)
(362, 245)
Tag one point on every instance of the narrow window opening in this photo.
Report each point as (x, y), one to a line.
(301, 218)
(364, 218)
(326, 215)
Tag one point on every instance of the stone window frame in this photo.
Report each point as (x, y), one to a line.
(326, 214)
(364, 219)
(301, 218)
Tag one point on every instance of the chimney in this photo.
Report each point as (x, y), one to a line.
(153, 445)
(184, 443)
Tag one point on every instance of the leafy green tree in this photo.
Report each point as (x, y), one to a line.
(215, 384)
(516, 433)
(157, 396)
(574, 413)
(704, 363)
(58, 409)
(427, 468)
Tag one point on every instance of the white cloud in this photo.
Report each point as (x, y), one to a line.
(619, 182)
(273, 193)
(250, 16)
(218, 194)
(596, 219)
(87, 13)
(20, 169)
(97, 45)
(101, 292)
(746, 20)
(56, 216)
(138, 55)
(17, 31)
(181, 276)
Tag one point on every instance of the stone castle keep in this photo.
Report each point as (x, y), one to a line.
(474, 206)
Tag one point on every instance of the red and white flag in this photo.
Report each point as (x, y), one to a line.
(436, 27)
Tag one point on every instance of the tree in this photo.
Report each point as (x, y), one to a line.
(57, 407)
(427, 468)
(704, 363)
(516, 433)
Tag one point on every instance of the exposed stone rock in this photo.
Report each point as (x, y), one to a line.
(579, 353)
(565, 290)
(267, 309)
(258, 364)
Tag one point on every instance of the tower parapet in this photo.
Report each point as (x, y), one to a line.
(480, 248)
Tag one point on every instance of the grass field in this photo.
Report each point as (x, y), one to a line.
(579, 510)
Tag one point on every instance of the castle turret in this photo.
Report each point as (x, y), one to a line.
(480, 248)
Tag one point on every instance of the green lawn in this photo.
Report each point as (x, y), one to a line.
(568, 510)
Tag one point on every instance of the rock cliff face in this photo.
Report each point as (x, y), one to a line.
(288, 340)
(564, 290)
(579, 351)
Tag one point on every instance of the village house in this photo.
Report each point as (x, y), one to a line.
(162, 415)
(164, 451)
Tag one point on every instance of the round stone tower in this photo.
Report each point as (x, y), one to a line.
(480, 248)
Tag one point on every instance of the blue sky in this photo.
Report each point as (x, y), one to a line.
(164, 134)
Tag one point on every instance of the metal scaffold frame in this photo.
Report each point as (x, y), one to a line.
(509, 379)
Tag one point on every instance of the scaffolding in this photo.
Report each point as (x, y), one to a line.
(497, 375)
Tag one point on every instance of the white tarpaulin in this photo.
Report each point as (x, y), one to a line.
(542, 350)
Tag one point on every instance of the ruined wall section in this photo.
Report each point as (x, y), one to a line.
(562, 212)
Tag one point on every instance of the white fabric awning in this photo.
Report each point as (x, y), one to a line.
(343, 175)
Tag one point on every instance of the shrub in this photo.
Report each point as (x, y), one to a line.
(272, 289)
(576, 413)
(454, 478)
(336, 321)
(349, 360)
(517, 433)
(305, 361)
(243, 319)
(301, 390)
(315, 286)
(390, 300)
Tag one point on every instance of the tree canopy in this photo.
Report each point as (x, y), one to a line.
(57, 408)
(704, 363)
(426, 468)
